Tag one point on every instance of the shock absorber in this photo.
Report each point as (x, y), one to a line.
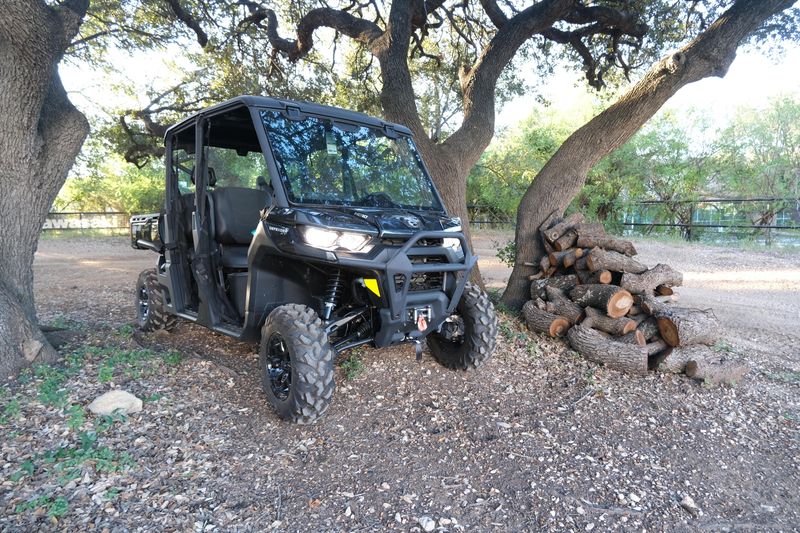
(332, 293)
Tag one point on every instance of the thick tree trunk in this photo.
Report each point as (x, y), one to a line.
(561, 179)
(40, 136)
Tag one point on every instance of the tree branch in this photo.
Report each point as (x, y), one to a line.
(494, 13)
(184, 16)
(480, 81)
(356, 28)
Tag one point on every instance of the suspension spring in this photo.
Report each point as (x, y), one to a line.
(362, 329)
(332, 293)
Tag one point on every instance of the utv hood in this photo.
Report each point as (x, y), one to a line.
(385, 223)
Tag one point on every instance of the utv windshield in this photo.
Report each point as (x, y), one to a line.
(331, 163)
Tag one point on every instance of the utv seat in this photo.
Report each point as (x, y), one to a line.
(236, 215)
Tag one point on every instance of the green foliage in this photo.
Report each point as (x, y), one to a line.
(51, 387)
(507, 253)
(507, 169)
(353, 364)
(172, 358)
(126, 331)
(102, 180)
(758, 154)
(130, 363)
(75, 416)
(54, 506)
(658, 163)
(11, 410)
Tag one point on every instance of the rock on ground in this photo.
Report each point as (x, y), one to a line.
(115, 400)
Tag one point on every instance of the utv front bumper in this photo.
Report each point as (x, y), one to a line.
(400, 306)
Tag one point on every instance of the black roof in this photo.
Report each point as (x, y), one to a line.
(335, 113)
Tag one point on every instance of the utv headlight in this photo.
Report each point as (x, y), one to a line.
(452, 242)
(327, 239)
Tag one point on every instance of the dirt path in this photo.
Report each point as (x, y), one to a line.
(536, 440)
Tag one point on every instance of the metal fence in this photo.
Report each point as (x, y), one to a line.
(77, 221)
(488, 217)
(768, 220)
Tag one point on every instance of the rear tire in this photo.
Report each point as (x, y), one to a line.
(467, 340)
(150, 313)
(296, 362)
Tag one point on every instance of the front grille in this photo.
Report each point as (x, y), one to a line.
(422, 281)
(427, 281)
(402, 241)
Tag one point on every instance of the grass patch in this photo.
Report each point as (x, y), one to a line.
(62, 322)
(353, 364)
(11, 410)
(126, 331)
(83, 445)
(787, 376)
(130, 363)
(53, 506)
(66, 462)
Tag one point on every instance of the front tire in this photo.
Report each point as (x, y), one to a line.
(296, 362)
(149, 299)
(467, 339)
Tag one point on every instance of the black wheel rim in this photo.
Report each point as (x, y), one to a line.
(453, 333)
(279, 367)
(144, 304)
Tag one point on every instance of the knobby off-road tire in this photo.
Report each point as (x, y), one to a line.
(479, 333)
(296, 362)
(149, 298)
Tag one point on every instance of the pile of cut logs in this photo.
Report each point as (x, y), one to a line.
(616, 311)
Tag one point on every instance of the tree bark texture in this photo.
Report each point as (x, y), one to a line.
(677, 359)
(560, 229)
(651, 306)
(612, 300)
(561, 179)
(544, 322)
(564, 283)
(689, 326)
(603, 277)
(608, 242)
(647, 282)
(634, 337)
(559, 304)
(615, 326)
(599, 259)
(565, 258)
(41, 133)
(649, 328)
(594, 346)
(716, 371)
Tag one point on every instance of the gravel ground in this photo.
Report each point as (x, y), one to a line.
(538, 439)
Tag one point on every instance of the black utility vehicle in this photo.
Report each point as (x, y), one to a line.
(314, 230)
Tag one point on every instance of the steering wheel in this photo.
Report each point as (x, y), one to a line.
(377, 199)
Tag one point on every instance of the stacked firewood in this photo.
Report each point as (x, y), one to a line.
(615, 310)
